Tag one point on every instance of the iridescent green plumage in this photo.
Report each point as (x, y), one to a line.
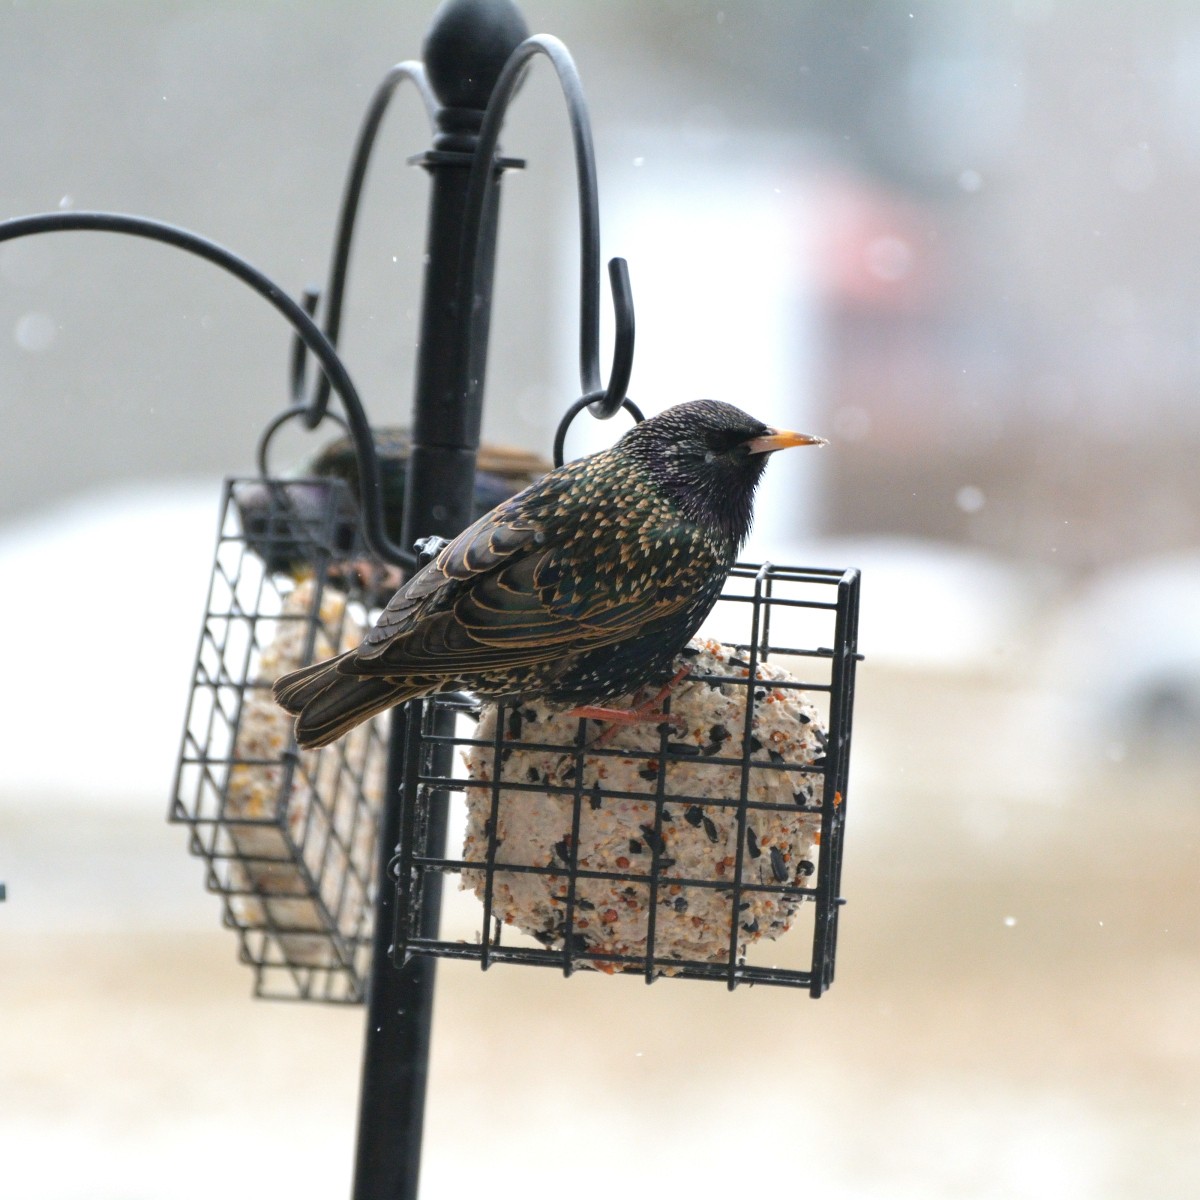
(579, 589)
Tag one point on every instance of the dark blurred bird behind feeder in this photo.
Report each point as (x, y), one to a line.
(281, 539)
(579, 589)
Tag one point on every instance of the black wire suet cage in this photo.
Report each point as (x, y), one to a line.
(289, 838)
(682, 853)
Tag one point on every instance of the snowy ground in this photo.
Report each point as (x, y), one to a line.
(1014, 1014)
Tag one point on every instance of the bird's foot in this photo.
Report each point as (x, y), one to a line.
(642, 712)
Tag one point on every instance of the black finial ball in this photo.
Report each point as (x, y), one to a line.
(466, 49)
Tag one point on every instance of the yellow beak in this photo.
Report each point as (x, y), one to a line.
(781, 439)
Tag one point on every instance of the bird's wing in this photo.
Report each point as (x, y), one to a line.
(503, 595)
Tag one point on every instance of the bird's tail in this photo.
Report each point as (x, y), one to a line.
(328, 703)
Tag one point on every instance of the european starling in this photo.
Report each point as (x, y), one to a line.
(579, 589)
(500, 472)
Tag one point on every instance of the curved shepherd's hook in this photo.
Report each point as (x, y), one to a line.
(351, 196)
(370, 492)
(603, 401)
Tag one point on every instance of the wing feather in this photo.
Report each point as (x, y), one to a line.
(512, 590)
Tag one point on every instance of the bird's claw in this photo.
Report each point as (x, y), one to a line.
(645, 711)
(625, 716)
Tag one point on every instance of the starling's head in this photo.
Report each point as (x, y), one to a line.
(708, 457)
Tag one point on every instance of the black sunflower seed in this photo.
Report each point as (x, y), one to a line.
(778, 866)
(653, 839)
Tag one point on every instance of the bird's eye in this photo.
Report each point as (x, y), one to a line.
(721, 441)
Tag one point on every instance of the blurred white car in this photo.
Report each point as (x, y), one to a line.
(1128, 654)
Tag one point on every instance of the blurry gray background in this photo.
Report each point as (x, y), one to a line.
(955, 239)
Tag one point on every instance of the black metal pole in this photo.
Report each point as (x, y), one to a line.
(467, 47)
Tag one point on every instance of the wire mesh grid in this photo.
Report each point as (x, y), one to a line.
(288, 838)
(662, 850)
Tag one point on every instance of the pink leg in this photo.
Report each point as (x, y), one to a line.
(646, 711)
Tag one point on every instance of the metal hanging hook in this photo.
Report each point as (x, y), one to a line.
(298, 372)
(560, 437)
(610, 400)
(276, 423)
(602, 400)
